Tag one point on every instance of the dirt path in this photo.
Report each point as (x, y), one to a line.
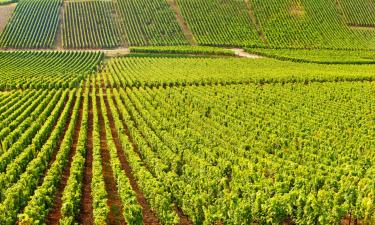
(255, 22)
(340, 10)
(361, 27)
(114, 202)
(86, 216)
(149, 217)
(181, 21)
(58, 37)
(241, 53)
(6, 12)
(54, 215)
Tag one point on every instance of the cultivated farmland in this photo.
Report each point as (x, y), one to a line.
(177, 112)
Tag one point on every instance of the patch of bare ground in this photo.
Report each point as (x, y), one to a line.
(58, 37)
(54, 215)
(349, 220)
(184, 220)
(296, 9)
(361, 27)
(86, 216)
(253, 18)
(114, 202)
(6, 12)
(116, 52)
(149, 217)
(181, 21)
(241, 53)
(340, 11)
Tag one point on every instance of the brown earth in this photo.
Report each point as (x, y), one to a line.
(114, 202)
(183, 219)
(149, 217)
(58, 37)
(54, 215)
(181, 21)
(296, 9)
(258, 26)
(6, 12)
(86, 215)
(61, 138)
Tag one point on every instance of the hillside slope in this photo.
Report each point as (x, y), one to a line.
(338, 24)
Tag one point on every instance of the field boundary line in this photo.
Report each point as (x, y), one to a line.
(258, 27)
(85, 216)
(54, 214)
(115, 215)
(182, 22)
(149, 216)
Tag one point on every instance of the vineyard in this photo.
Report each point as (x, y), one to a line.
(187, 112)
(148, 22)
(81, 24)
(89, 24)
(33, 25)
(223, 23)
(45, 69)
(318, 56)
(163, 72)
(361, 13)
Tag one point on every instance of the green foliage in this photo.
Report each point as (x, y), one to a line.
(266, 152)
(163, 72)
(148, 22)
(131, 209)
(220, 22)
(98, 191)
(155, 191)
(307, 24)
(318, 56)
(43, 198)
(71, 196)
(46, 69)
(33, 25)
(200, 50)
(45, 143)
(359, 12)
(89, 24)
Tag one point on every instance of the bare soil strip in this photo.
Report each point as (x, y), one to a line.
(181, 21)
(6, 12)
(184, 220)
(255, 22)
(361, 27)
(149, 217)
(114, 202)
(58, 37)
(241, 53)
(340, 11)
(86, 216)
(54, 215)
(66, 126)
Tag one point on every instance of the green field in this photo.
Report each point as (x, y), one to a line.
(187, 112)
(33, 25)
(89, 25)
